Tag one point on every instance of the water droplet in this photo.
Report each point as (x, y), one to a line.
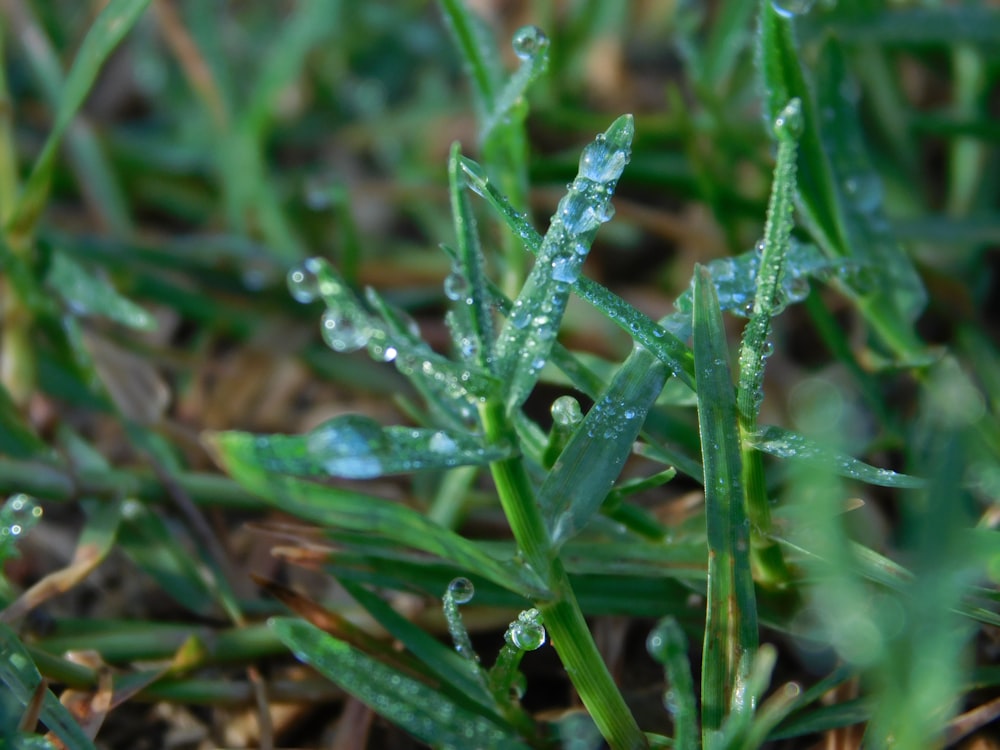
(600, 164)
(792, 8)
(441, 442)
(527, 632)
(349, 446)
(303, 282)
(528, 41)
(340, 332)
(462, 590)
(456, 286)
(566, 411)
(768, 349)
(566, 270)
(788, 123)
(520, 316)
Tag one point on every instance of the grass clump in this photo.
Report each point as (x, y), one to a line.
(524, 434)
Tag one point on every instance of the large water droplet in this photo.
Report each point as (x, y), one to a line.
(528, 41)
(303, 281)
(527, 632)
(350, 446)
(566, 411)
(792, 8)
(442, 442)
(340, 332)
(462, 590)
(602, 164)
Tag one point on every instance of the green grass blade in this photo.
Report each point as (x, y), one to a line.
(777, 441)
(731, 619)
(471, 299)
(529, 332)
(478, 51)
(110, 27)
(667, 347)
(415, 706)
(583, 475)
(915, 26)
(86, 293)
(532, 47)
(669, 646)
(19, 674)
(357, 447)
(338, 508)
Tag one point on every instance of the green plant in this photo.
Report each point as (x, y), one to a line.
(767, 571)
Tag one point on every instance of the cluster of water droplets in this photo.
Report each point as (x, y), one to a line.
(18, 515)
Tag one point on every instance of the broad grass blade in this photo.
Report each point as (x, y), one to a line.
(592, 460)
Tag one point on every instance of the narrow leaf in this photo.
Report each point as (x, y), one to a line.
(669, 646)
(731, 618)
(416, 707)
(777, 441)
(353, 511)
(527, 336)
(86, 293)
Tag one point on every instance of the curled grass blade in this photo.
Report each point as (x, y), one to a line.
(731, 619)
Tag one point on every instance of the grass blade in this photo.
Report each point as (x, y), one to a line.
(669, 646)
(731, 619)
(415, 706)
(586, 470)
(338, 508)
(110, 27)
(529, 332)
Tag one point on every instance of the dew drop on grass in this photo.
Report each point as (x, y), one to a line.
(566, 270)
(528, 41)
(350, 446)
(441, 442)
(527, 632)
(566, 411)
(303, 282)
(788, 123)
(340, 333)
(462, 590)
(792, 8)
(456, 286)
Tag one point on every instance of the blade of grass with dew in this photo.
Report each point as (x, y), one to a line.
(667, 347)
(109, 28)
(478, 51)
(731, 618)
(586, 470)
(532, 48)
(19, 673)
(467, 287)
(88, 294)
(755, 347)
(668, 645)
(414, 706)
(338, 508)
(821, 202)
(527, 335)
(777, 441)
(354, 446)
